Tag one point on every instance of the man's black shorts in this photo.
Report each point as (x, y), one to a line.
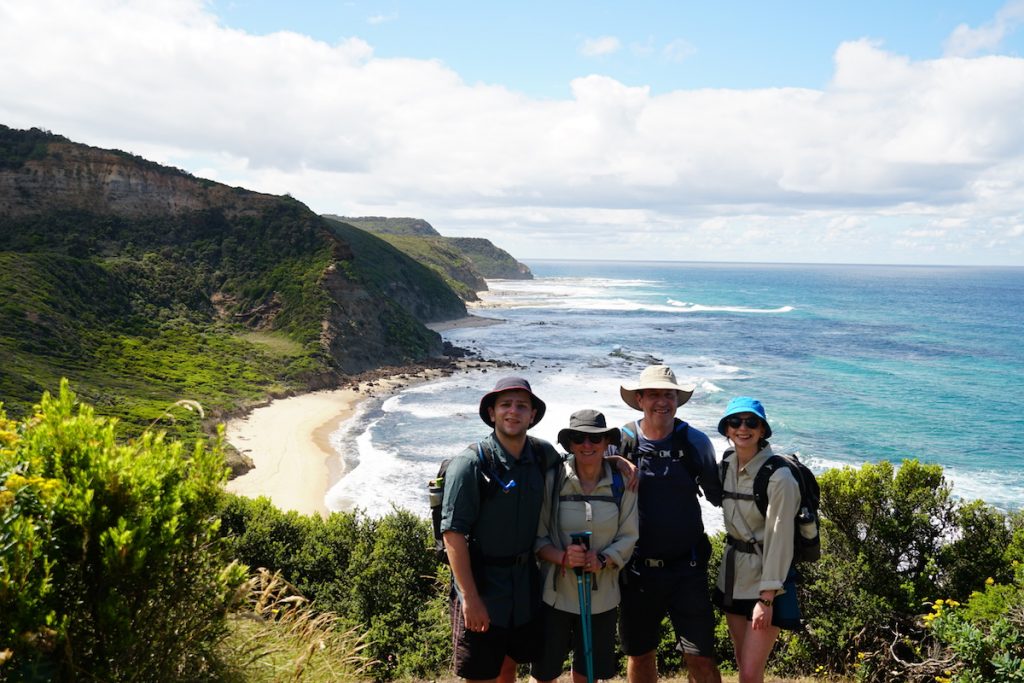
(479, 656)
(687, 602)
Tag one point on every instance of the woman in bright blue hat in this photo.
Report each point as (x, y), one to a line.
(756, 587)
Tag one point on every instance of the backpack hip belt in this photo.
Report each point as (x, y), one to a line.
(661, 563)
(752, 547)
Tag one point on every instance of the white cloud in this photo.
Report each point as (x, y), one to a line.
(679, 50)
(599, 47)
(966, 41)
(852, 172)
(382, 18)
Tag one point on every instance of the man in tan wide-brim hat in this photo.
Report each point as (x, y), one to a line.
(655, 377)
(668, 573)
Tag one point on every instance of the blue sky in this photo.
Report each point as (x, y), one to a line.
(538, 47)
(868, 132)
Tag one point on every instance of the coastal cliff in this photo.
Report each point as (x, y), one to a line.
(205, 291)
(463, 262)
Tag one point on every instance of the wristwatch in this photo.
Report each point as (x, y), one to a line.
(602, 559)
(765, 601)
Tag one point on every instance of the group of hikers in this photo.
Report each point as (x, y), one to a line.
(551, 554)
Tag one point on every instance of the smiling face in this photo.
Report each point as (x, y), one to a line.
(745, 437)
(659, 405)
(592, 446)
(512, 413)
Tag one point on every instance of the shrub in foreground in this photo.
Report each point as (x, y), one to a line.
(376, 574)
(111, 565)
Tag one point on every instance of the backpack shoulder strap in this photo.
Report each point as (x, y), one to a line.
(770, 467)
(618, 486)
(687, 452)
(544, 453)
(628, 441)
(723, 468)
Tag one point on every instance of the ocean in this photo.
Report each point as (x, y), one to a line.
(853, 363)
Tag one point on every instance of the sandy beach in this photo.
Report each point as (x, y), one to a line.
(288, 439)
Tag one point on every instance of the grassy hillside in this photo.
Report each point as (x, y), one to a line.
(144, 285)
(130, 355)
(464, 262)
(380, 225)
(432, 251)
(489, 260)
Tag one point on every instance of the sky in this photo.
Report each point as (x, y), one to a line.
(804, 131)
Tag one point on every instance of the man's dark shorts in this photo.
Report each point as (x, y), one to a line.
(479, 656)
(562, 632)
(686, 600)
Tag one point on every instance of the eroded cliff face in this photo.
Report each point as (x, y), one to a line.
(229, 243)
(84, 178)
(362, 332)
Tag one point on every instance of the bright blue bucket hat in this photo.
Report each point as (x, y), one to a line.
(745, 404)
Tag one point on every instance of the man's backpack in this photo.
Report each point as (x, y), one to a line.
(681, 447)
(806, 527)
(489, 482)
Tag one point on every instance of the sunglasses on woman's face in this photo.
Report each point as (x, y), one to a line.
(751, 422)
(592, 438)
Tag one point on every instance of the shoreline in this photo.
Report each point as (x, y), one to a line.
(288, 440)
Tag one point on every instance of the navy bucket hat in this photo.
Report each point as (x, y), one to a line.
(510, 384)
(745, 404)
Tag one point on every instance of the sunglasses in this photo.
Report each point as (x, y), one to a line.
(751, 422)
(592, 438)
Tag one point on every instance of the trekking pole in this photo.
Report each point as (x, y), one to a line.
(583, 588)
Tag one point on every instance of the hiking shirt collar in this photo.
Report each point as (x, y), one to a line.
(642, 432)
(754, 464)
(505, 458)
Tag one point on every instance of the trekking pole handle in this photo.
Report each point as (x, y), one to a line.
(580, 538)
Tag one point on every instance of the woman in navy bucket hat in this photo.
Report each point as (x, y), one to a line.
(756, 585)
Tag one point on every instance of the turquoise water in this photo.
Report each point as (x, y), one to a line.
(854, 364)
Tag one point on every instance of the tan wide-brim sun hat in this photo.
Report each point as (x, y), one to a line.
(655, 377)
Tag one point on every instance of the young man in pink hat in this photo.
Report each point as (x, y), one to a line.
(668, 573)
(492, 501)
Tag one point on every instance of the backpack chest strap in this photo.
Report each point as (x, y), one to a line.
(580, 498)
(738, 496)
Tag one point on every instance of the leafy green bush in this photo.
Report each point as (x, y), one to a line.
(893, 539)
(111, 567)
(375, 574)
(982, 640)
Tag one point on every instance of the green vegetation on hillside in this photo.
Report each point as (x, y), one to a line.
(400, 275)
(135, 335)
(489, 260)
(389, 226)
(249, 297)
(463, 262)
(19, 146)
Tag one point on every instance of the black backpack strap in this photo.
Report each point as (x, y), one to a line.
(723, 468)
(770, 466)
(686, 451)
